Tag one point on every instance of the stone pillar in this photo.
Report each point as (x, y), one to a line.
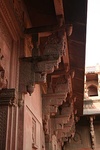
(20, 129)
(48, 143)
(98, 84)
(92, 133)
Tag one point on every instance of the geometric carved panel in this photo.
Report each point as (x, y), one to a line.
(3, 126)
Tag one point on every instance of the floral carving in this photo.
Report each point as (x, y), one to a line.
(56, 44)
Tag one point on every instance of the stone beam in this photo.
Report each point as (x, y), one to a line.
(49, 28)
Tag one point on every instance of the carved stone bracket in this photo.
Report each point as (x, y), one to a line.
(56, 44)
(7, 97)
(62, 120)
(35, 69)
(52, 101)
(67, 131)
(32, 71)
(64, 123)
(47, 66)
(26, 76)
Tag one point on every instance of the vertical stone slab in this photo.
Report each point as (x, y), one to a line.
(20, 128)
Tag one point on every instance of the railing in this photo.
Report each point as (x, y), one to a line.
(92, 69)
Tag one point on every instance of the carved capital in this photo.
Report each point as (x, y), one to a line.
(34, 71)
(7, 97)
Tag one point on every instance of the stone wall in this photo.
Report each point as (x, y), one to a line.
(33, 134)
(20, 121)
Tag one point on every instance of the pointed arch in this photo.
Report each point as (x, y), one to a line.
(92, 90)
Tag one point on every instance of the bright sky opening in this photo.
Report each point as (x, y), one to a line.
(93, 33)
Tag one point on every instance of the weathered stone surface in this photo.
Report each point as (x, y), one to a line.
(7, 97)
(3, 126)
(46, 66)
(55, 97)
(40, 78)
(56, 45)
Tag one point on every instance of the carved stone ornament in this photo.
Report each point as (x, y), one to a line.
(46, 124)
(30, 88)
(32, 72)
(64, 122)
(56, 45)
(35, 69)
(47, 66)
(40, 77)
(92, 133)
(77, 138)
(7, 97)
(63, 119)
(56, 95)
(3, 80)
(51, 102)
